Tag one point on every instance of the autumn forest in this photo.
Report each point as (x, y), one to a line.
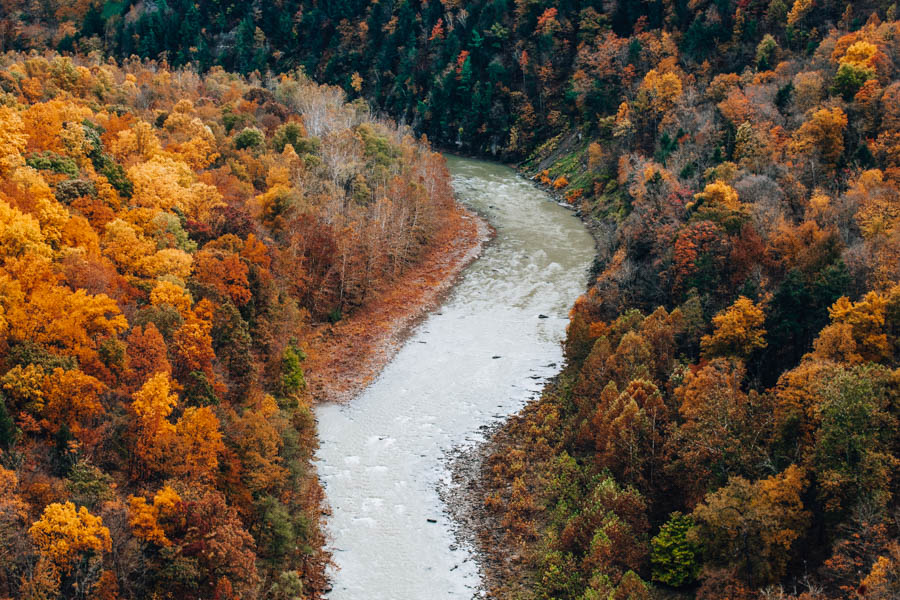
(206, 205)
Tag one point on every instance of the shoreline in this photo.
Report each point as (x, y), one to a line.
(360, 347)
(347, 356)
(474, 526)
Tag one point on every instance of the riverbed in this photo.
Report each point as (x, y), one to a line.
(474, 361)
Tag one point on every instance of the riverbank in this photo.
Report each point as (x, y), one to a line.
(472, 362)
(475, 525)
(345, 357)
(503, 560)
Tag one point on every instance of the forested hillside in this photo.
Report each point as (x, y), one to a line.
(170, 242)
(727, 422)
(488, 76)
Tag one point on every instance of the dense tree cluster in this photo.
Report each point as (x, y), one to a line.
(168, 243)
(726, 425)
(499, 76)
(734, 370)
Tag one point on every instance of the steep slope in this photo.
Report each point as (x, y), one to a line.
(172, 244)
(727, 422)
(487, 76)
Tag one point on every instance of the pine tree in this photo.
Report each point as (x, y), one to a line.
(7, 426)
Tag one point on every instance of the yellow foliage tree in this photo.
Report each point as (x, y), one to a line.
(192, 346)
(596, 154)
(140, 140)
(63, 533)
(20, 234)
(153, 404)
(808, 88)
(161, 183)
(149, 521)
(75, 320)
(822, 135)
(166, 292)
(799, 10)
(860, 55)
(797, 400)
(80, 238)
(126, 246)
(720, 194)
(72, 398)
(661, 89)
(12, 297)
(168, 261)
(13, 512)
(738, 330)
(259, 446)
(201, 201)
(45, 122)
(12, 140)
(857, 331)
(195, 144)
(356, 82)
(273, 205)
(623, 122)
(33, 196)
(878, 204)
(752, 527)
(883, 580)
(197, 444)
(166, 183)
(24, 386)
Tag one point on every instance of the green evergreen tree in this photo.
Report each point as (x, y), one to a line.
(675, 559)
(8, 431)
(292, 378)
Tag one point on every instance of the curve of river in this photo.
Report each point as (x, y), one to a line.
(477, 359)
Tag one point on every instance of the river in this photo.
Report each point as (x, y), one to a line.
(476, 359)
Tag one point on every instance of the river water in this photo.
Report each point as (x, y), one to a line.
(475, 360)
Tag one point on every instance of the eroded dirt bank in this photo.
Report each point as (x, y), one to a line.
(345, 357)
